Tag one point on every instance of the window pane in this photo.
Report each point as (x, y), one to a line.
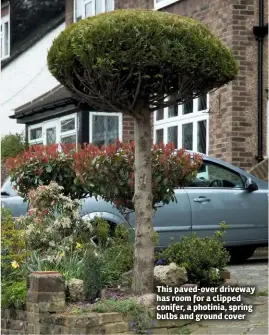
(6, 39)
(201, 136)
(159, 136)
(187, 136)
(187, 107)
(109, 5)
(159, 114)
(213, 175)
(79, 10)
(68, 124)
(172, 135)
(89, 9)
(173, 111)
(69, 139)
(202, 103)
(98, 7)
(51, 135)
(35, 133)
(105, 129)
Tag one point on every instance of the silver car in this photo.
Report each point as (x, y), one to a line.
(220, 192)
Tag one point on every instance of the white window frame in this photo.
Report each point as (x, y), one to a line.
(163, 3)
(51, 123)
(93, 113)
(37, 140)
(85, 2)
(180, 120)
(4, 20)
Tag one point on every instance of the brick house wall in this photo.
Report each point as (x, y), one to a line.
(233, 108)
(233, 114)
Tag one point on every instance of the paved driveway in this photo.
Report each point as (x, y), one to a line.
(253, 273)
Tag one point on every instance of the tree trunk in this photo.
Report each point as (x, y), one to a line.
(144, 233)
(69, 12)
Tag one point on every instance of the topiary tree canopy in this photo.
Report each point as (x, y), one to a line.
(135, 62)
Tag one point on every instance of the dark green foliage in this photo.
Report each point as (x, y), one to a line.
(12, 145)
(119, 59)
(92, 276)
(199, 256)
(117, 259)
(13, 294)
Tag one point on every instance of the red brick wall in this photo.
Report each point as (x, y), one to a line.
(127, 128)
(233, 116)
(120, 4)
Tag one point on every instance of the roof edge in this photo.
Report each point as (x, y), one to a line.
(48, 28)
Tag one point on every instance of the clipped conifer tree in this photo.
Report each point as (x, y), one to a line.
(136, 62)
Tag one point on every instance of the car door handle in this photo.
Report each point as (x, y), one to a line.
(201, 199)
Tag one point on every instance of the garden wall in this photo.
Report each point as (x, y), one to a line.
(45, 314)
(14, 321)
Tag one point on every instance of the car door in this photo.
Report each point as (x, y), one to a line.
(12, 201)
(172, 220)
(218, 194)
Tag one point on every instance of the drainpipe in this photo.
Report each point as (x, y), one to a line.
(260, 32)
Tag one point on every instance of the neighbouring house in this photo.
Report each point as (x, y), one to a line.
(27, 31)
(230, 123)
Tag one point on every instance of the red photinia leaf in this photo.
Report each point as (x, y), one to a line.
(106, 171)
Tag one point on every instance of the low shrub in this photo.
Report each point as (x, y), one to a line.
(14, 294)
(201, 257)
(39, 165)
(92, 275)
(116, 260)
(53, 225)
(70, 266)
(13, 247)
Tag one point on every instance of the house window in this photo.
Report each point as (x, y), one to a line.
(202, 103)
(185, 125)
(163, 3)
(105, 128)
(86, 8)
(5, 33)
(159, 114)
(60, 130)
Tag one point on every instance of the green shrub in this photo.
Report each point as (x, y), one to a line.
(14, 294)
(53, 224)
(116, 260)
(92, 275)
(12, 145)
(200, 256)
(13, 247)
(70, 266)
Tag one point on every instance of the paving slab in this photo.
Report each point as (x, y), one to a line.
(257, 322)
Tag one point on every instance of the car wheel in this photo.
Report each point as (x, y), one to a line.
(241, 254)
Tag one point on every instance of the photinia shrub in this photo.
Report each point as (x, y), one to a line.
(109, 172)
(89, 170)
(39, 165)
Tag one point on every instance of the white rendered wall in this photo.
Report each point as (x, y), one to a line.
(24, 79)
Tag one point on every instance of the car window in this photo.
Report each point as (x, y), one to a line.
(7, 189)
(214, 175)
